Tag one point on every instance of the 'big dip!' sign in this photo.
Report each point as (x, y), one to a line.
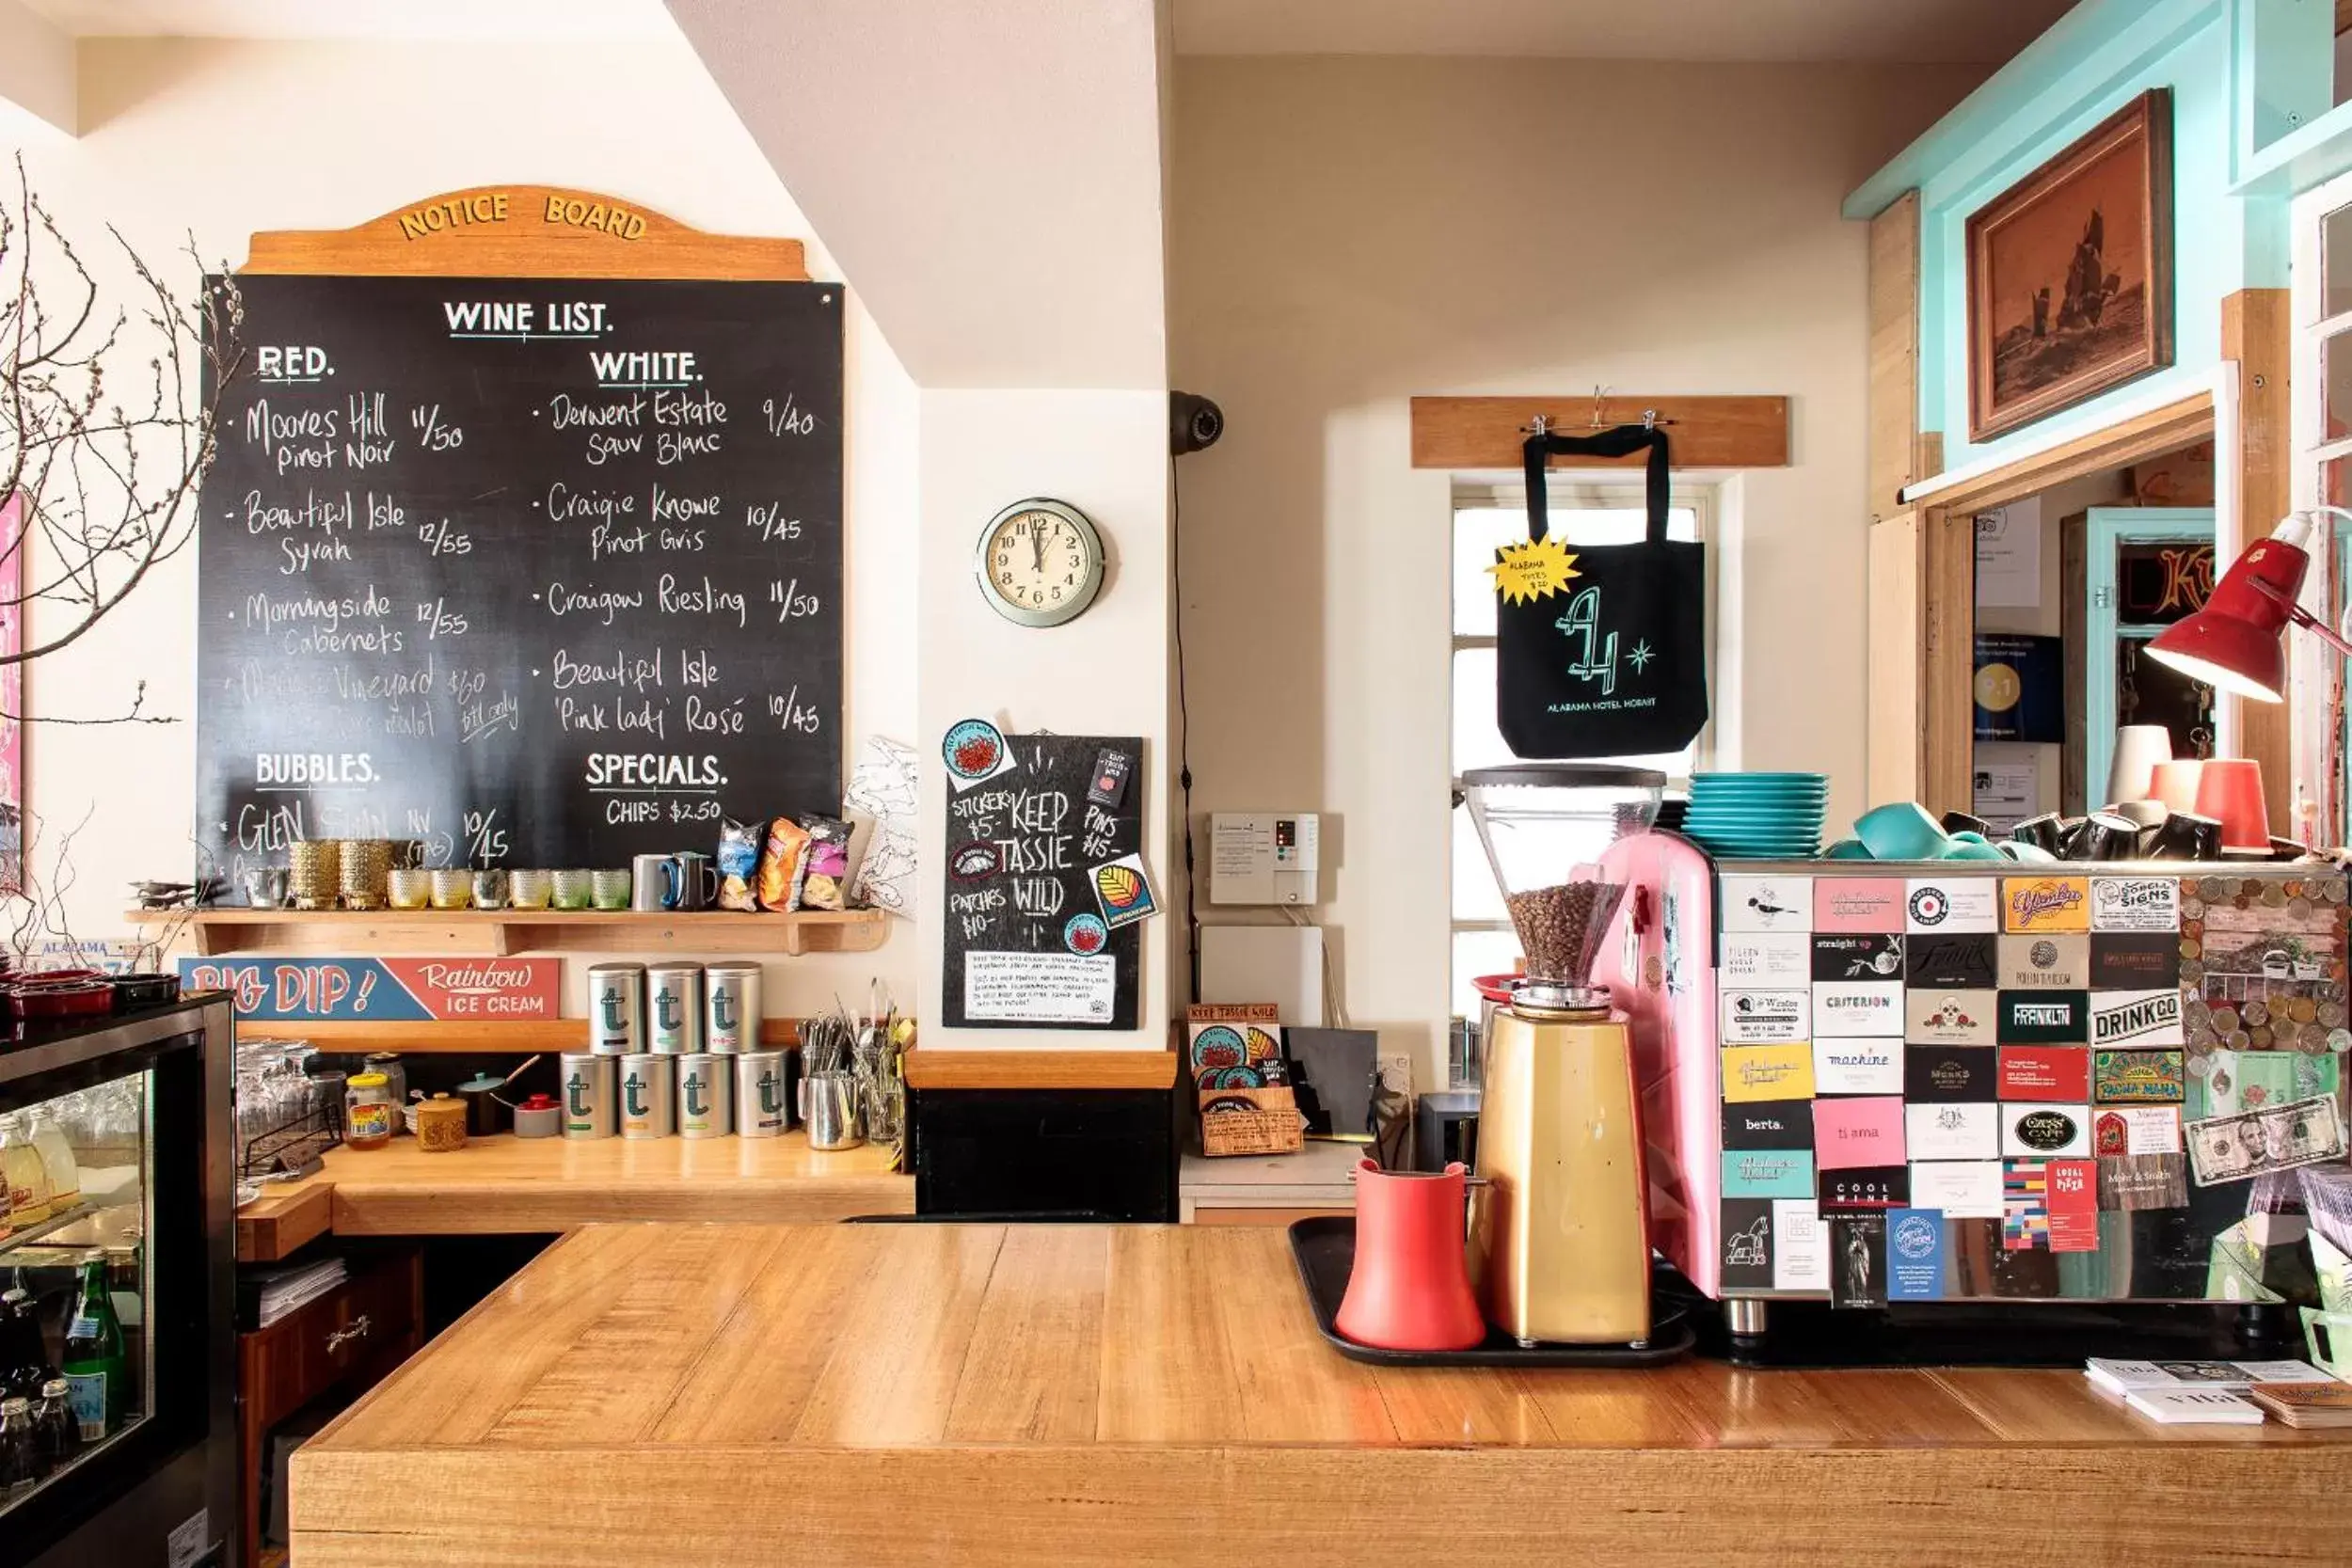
(538, 571)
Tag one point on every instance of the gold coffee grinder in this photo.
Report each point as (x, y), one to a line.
(1559, 1238)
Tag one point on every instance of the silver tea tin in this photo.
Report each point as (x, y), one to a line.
(759, 1094)
(731, 1008)
(706, 1096)
(673, 1008)
(616, 1009)
(590, 1086)
(648, 1096)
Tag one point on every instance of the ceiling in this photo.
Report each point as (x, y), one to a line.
(1986, 32)
(1959, 31)
(486, 21)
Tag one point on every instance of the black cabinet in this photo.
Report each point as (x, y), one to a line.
(1044, 1154)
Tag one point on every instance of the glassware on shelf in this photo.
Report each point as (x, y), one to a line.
(20, 1456)
(57, 1159)
(28, 1178)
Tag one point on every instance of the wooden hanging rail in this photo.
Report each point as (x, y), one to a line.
(1705, 431)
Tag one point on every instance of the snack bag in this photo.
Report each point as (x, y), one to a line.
(739, 863)
(825, 864)
(780, 864)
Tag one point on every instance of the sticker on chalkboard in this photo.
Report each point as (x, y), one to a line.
(974, 863)
(1125, 890)
(1110, 777)
(1085, 933)
(974, 751)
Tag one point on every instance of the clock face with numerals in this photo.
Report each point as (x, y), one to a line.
(1040, 563)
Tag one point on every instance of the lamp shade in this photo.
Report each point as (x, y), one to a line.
(2233, 644)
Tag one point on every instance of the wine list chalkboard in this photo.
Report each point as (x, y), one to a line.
(540, 573)
(1036, 937)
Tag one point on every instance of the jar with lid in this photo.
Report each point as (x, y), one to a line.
(20, 1460)
(56, 1161)
(27, 1177)
(367, 1111)
(441, 1124)
(395, 1078)
(57, 1436)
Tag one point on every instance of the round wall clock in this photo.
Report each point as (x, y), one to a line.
(1040, 563)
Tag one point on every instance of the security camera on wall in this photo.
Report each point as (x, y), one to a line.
(1193, 422)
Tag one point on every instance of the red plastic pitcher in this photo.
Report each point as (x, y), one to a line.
(1410, 1288)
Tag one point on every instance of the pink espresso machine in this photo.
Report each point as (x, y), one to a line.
(1876, 1084)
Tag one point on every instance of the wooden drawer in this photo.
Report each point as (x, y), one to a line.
(349, 1332)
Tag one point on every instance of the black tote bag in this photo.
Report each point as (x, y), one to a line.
(1614, 664)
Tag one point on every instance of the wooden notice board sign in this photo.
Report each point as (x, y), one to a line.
(524, 537)
(1042, 919)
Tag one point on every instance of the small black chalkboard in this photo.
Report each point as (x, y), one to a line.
(1037, 935)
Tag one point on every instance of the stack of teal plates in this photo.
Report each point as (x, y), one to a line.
(1758, 815)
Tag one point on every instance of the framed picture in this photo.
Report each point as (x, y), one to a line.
(2070, 273)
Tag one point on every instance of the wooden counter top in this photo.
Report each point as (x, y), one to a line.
(509, 1185)
(1116, 1395)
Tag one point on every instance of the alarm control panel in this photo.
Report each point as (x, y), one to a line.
(1264, 857)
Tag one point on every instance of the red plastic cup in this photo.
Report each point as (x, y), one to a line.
(2230, 789)
(2175, 783)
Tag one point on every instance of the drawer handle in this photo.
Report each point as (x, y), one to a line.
(341, 1337)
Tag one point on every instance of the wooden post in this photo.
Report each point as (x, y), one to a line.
(2255, 332)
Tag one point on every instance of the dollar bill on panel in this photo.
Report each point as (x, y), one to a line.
(2278, 1137)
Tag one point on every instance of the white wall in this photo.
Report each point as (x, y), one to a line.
(1107, 673)
(223, 138)
(1348, 233)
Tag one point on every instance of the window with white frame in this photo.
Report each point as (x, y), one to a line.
(2321, 376)
(1587, 512)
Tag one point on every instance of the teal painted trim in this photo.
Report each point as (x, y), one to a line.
(2092, 48)
(2311, 156)
(2104, 528)
(2283, 72)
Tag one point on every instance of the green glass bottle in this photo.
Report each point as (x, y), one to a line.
(97, 1374)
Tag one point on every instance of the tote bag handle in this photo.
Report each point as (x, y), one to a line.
(1624, 439)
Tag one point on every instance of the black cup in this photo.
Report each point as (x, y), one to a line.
(2043, 831)
(2186, 836)
(1960, 822)
(2103, 836)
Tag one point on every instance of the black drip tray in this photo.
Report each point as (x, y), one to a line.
(1325, 1250)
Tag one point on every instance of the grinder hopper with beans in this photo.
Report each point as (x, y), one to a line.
(1559, 1231)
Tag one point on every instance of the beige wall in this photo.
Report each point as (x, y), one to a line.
(1348, 233)
(217, 139)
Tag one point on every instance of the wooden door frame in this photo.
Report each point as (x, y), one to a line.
(1947, 529)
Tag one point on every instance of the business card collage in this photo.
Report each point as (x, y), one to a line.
(2025, 1050)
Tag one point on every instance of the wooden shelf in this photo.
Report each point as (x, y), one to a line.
(931, 1068)
(460, 1036)
(505, 932)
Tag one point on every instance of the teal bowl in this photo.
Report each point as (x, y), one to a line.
(1901, 831)
(1846, 849)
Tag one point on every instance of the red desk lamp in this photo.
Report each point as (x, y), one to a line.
(2233, 644)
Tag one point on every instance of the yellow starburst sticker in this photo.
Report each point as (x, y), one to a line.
(1535, 570)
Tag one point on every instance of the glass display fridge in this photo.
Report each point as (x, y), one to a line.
(118, 1291)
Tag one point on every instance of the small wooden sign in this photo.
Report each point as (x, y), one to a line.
(527, 232)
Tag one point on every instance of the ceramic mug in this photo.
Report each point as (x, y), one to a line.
(609, 887)
(409, 888)
(1901, 831)
(452, 888)
(572, 890)
(530, 889)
